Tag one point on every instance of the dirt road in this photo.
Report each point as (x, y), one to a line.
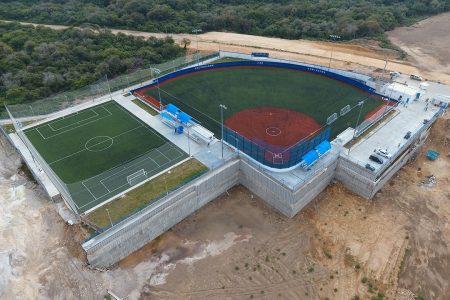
(238, 248)
(364, 56)
(427, 43)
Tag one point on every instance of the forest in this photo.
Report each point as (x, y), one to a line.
(290, 19)
(38, 62)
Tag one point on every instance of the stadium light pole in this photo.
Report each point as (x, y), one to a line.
(197, 31)
(109, 216)
(189, 142)
(361, 105)
(165, 182)
(157, 72)
(334, 38)
(222, 107)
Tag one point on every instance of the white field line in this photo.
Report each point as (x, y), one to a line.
(72, 115)
(114, 197)
(74, 153)
(143, 123)
(119, 187)
(95, 198)
(64, 131)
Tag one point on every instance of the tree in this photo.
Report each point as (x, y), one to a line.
(186, 42)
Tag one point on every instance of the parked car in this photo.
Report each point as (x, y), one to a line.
(382, 152)
(416, 77)
(394, 74)
(370, 167)
(376, 159)
(407, 135)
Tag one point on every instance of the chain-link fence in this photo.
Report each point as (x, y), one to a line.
(66, 114)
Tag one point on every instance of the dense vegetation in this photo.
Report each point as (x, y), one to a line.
(283, 18)
(38, 62)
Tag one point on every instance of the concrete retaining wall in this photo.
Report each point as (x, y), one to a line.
(287, 201)
(367, 184)
(116, 243)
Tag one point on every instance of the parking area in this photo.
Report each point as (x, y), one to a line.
(392, 134)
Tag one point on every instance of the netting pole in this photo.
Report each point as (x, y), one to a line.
(361, 104)
(109, 87)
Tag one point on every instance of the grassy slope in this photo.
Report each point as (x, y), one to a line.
(146, 193)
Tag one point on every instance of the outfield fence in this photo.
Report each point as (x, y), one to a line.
(275, 156)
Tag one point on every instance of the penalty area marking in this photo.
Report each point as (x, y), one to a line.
(273, 131)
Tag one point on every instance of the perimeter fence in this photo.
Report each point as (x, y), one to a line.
(28, 115)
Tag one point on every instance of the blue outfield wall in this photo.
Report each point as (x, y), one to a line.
(271, 156)
(351, 81)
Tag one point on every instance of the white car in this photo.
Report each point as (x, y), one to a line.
(416, 77)
(394, 74)
(382, 152)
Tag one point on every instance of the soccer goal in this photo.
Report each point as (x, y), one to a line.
(136, 177)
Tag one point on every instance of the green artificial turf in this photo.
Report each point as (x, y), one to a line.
(239, 88)
(94, 150)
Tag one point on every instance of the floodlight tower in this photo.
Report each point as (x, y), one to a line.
(157, 72)
(197, 31)
(222, 107)
(334, 38)
(361, 105)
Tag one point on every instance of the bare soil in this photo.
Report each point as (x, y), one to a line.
(427, 43)
(399, 242)
(239, 248)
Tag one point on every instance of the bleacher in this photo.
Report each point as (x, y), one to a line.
(310, 158)
(173, 117)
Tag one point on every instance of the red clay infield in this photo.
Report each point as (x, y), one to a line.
(273, 126)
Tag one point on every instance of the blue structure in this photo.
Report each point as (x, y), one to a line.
(354, 82)
(172, 109)
(166, 116)
(275, 156)
(310, 158)
(323, 148)
(269, 155)
(184, 118)
(260, 54)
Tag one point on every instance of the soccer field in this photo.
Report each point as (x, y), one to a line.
(239, 88)
(101, 151)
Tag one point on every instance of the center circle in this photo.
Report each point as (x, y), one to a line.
(99, 143)
(273, 131)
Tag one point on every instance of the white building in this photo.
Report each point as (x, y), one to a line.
(403, 92)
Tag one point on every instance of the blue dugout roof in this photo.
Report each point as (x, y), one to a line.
(323, 147)
(166, 116)
(310, 157)
(172, 109)
(184, 117)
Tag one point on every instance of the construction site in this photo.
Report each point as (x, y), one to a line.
(345, 225)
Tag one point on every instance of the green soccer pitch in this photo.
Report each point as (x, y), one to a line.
(199, 94)
(102, 151)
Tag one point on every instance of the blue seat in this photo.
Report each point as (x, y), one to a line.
(172, 109)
